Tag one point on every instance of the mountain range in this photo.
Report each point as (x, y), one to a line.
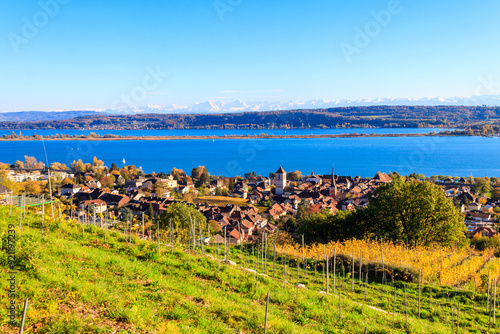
(219, 106)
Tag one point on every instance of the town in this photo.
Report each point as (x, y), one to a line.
(240, 209)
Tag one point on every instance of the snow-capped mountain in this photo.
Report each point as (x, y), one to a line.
(218, 106)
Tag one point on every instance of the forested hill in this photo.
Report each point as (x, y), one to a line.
(373, 116)
(35, 116)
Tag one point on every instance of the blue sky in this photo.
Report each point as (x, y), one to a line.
(87, 54)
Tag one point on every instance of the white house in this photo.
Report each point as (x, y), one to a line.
(99, 205)
(23, 177)
(313, 178)
(69, 189)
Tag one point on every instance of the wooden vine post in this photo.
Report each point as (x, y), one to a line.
(171, 235)
(419, 289)
(334, 266)
(352, 275)
(267, 309)
(361, 266)
(327, 274)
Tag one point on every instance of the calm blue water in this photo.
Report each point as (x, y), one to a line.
(141, 133)
(456, 156)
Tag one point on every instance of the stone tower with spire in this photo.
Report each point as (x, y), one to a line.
(280, 180)
(333, 185)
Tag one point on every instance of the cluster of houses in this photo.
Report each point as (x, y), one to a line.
(479, 212)
(323, 192)
(282, 197)
(238, 224)
(37, 175)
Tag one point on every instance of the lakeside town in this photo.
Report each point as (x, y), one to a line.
(250, 167)
(241, 208)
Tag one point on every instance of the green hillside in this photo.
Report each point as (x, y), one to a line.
(77, 282)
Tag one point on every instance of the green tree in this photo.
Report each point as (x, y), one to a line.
(215, 227)
(177, 173)
(323, 226)
(231, 184)
(394, 175)
(289, 225)
(415, 211)
(294, 176)
(180, 215)
(151, 211)
(78, 166)
(318, 227)
(160, 187)
(482, 186)
(204, 179)
(197, 172)
(113, 167)
(495, 194)
(302, 211)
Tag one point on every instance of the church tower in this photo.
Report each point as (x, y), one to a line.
(333, 185)
(280, 180)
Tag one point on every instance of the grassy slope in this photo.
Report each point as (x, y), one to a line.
(80, 284)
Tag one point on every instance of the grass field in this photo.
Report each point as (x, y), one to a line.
(78, 282)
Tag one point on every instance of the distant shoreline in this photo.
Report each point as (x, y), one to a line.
(237, 137)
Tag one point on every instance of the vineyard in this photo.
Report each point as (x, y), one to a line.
(438, 265)
(89, 278)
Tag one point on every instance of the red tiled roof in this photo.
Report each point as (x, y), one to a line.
(235, 234)
(246, 223)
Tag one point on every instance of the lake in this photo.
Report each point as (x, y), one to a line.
(451, 155)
